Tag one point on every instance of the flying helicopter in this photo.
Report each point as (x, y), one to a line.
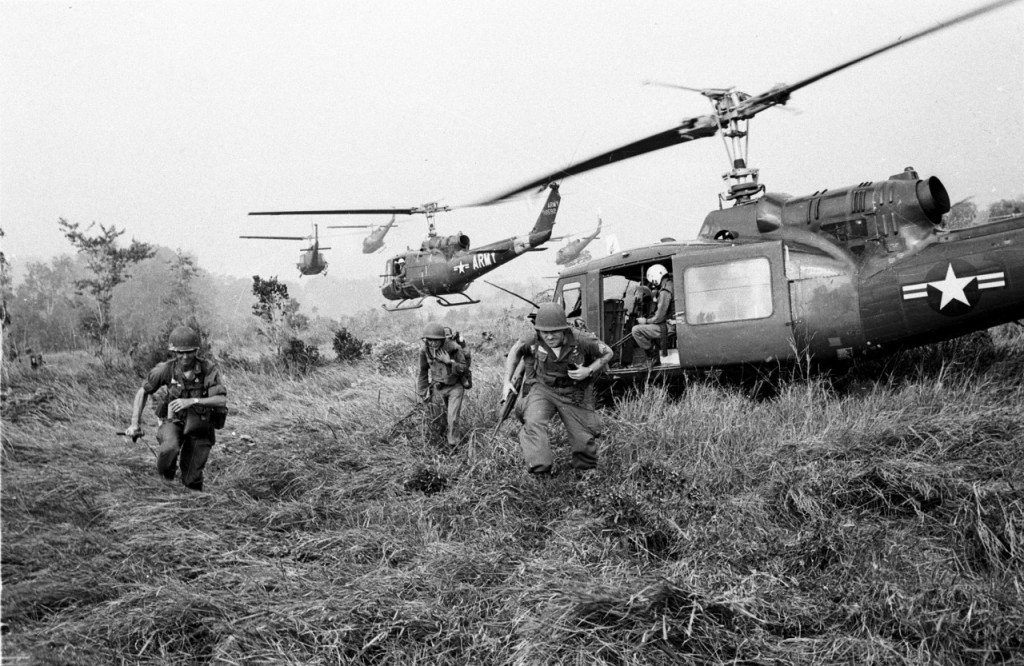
(568, 252)
(835, 275)
(444, 266)
(311, 262)
(373, 242)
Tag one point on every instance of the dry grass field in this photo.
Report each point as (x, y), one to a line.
(876, 520)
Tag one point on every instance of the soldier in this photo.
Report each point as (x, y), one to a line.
(444, 376)
(189, 412)
(564, 363)
(648, 329)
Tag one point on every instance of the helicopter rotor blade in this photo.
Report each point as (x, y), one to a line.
(751, 106)
(350, 226)
(344, 211)
(278, 237)
(690, 129)
(739, 107)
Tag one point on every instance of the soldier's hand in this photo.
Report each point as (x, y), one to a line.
(582, 372)
(181, 404)
(509, 387)
(134, 432)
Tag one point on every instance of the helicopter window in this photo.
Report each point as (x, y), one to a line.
(571, 298)
(728, 292)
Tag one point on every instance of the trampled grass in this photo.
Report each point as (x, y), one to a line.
(877, 519)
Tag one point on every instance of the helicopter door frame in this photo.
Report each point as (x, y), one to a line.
(733, 305)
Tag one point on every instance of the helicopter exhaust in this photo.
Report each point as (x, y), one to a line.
(934, 199)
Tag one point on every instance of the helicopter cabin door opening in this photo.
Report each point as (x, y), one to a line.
(731, 304)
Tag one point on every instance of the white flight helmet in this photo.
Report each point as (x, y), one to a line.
(655, 273)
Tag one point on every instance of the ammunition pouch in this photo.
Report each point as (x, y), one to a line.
(200, 420)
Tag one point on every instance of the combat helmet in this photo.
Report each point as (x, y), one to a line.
(550, 317)
(434, 331)
(183, 339)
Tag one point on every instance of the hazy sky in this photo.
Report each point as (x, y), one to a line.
(172, 120)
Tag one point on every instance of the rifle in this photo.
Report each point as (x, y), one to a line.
(419, 406)
(508, 402)
(135, 438)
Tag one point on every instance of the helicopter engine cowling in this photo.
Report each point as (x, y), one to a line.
(894, 215)
(447, 244)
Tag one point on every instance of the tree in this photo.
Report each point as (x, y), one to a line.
(277, 312)
(45, 304)
(961, 214)
(109, 265)
(1006, 208)
(6, 291)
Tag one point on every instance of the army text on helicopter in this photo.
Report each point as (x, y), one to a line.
(444, 266)
(311, 262)
(834, 275)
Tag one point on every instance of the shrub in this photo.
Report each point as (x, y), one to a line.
(391, 356)
(348, 347)
(300, 357)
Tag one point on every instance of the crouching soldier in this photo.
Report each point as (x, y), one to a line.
(443, 378)
(564, 363)
(195, 403)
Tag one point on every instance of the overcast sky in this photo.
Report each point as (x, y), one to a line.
(173, 120)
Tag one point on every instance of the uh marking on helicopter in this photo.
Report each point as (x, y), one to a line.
(834, 275)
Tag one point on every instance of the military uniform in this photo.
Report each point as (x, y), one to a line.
(442, 379)
(189, 452)
(646, 333)
(551, 391)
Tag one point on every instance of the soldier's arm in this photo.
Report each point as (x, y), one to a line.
(664, 298)
(460, 363)
(421, 378)
(602, 354)
(137, 406)
(511, 361)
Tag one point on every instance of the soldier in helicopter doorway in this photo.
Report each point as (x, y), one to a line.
(444, 376)
(195, 404)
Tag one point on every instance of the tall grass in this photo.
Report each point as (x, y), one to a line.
(876, 517)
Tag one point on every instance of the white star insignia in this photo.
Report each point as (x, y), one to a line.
(952, 287)
(461, 267)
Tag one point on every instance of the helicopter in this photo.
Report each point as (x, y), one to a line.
(772, 278)
(571, 250)
(372, 243)
(312, 261)
(444, 266)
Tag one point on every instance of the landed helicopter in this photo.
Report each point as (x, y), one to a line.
(311, 262)
(444, 266)
(831, 276)
(571, 250)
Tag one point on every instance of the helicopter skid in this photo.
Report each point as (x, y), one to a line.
(413, 304)
(446, 303)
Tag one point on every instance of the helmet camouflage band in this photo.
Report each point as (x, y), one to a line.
(183, 339)
(550, 317)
